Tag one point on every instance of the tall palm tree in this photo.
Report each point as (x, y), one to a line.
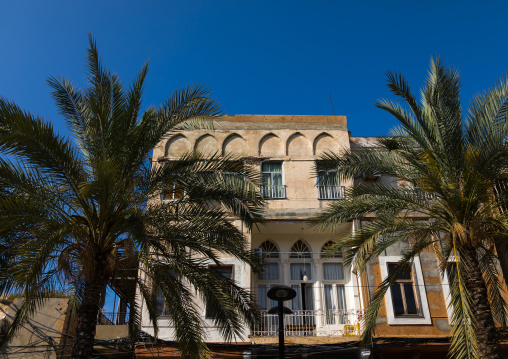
(82, 214)
(445, 165)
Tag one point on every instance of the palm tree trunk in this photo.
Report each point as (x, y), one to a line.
(486, 328)
(87, 321)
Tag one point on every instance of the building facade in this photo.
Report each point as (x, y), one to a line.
(330, 299)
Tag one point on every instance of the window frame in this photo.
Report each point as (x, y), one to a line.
(271, 173)
(174, 191)
(328, 188)
(402, 285)
(228, 170)
(164, 313)
(268, 283)
(447, 290)
(419, 285)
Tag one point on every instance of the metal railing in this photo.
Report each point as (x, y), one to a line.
(421, 194)
(330, 192)
(273, 191)
(311, 323)
(113, 318)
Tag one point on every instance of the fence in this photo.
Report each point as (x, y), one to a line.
(311, 323)
(331, 192)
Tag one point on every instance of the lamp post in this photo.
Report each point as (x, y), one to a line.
(281, 293)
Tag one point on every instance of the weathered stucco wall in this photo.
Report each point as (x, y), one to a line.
(433, 290)
(47, 333)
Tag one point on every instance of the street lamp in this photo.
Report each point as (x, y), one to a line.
(281, 293)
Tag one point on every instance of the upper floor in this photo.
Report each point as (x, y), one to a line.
(284, 148)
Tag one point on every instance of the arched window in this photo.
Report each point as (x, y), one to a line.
(300, 250)
(326, 247)
(270, 250)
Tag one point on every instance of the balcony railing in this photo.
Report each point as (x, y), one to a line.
(113, 318)
(311, 323)
(331, 192)
(273, 192)
(421, 194)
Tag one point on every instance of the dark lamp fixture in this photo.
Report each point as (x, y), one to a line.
(281, 293)
(285, 310)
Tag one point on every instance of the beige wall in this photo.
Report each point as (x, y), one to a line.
(297, 141)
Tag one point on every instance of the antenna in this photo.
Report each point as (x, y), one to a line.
(332, 105)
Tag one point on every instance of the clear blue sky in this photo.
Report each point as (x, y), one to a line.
(259, 57)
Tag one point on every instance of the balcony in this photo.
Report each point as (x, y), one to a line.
(273, 191)
(311, 323)
(330, 192)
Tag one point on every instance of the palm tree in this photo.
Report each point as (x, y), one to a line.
(445, 165)
(82, 214)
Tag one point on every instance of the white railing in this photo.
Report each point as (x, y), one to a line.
(273, 191)
(331, 192)
(311, 323)
(421, 194)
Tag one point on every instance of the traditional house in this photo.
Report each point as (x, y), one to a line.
(330, 301)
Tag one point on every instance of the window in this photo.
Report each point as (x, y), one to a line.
(160, 303)
(226, 272)
(335, 306)
(263, 302)
(271, 180)
(270, 275)
(333, 271)
(328, 183)
(234, 170)
(269, 249)
(299, 270)
(326, 247)
(404, 296)
(448, 279)
(334, 289)
(175, 192)
(300, 250)
(406, 300)
(270, 271)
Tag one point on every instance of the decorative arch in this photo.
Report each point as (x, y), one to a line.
(270, 249)
(271, 146)
(234, 144)
(327, 246)
(325, 143)
(298, 145)
(207, 144)
(300, 250)
(177, 146)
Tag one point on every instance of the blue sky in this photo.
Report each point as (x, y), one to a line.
(259, 57)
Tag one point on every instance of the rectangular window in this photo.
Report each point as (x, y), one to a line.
(333, 271)
(226, 272)
(271, 180)
(234, 170)
(262, 298)
(328, 183)
(263, 301)
(304, 299)
(404, 296)
(160, 304)
(298, 270)
(270, 271)
(174, 192)
(329, 305)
